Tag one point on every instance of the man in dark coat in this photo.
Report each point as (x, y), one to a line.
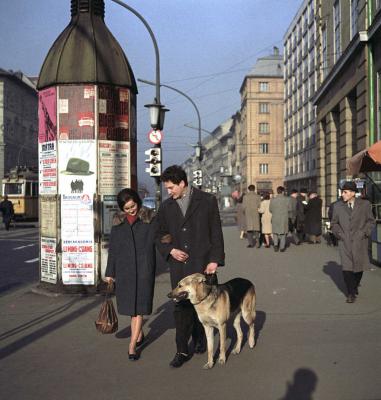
(6, 207)
(300, 218)
(352, 224)
(191, 219)
(313, 218)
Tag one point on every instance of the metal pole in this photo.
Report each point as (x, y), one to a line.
(157, 84)
(158, 193)
(185, 95)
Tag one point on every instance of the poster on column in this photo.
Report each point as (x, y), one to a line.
(47, 156)
(48, 260)
(47, 115)
(114, 166)
(77, 232)
(77, 166)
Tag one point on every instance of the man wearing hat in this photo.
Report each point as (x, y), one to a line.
(352, 224)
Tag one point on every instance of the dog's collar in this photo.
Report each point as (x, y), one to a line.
(210, 291)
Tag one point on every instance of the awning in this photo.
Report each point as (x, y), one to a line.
(366, 160)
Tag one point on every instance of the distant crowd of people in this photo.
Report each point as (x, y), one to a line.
(261, 218)
(266, 219)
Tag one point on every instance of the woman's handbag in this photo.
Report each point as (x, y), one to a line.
(107, 321)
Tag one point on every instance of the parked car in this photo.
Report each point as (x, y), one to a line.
(149, 202)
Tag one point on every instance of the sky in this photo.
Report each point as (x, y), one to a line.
(206, 49)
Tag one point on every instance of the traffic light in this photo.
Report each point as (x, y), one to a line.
(154, 160)
(197, 177)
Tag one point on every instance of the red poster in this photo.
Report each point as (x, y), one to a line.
(47, 115)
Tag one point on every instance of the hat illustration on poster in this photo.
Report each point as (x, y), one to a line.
(77, 166)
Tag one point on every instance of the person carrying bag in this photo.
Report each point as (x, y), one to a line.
(107, 321)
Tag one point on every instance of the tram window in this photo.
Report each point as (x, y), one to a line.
(28, 188)
(13, 188)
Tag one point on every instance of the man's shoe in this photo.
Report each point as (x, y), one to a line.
(276, 249)
(200, 347)
(179, 360)
(133, 356)
(282, 250)
(250, 245)
(351, 299)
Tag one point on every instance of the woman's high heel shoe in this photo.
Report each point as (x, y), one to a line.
(133, 356)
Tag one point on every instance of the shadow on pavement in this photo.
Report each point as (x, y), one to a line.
(28, 339)
(334, 271)
(155, 328)
(303, 385)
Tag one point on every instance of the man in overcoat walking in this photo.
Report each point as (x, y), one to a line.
(352, 224)
(280, 207)
(190, 223)
(250, 205)
(6, 208)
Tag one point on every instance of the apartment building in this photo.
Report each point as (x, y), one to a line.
(18, 121)
(348, 96)
(262, 155)
(300, 79)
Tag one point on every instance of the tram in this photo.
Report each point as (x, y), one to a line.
(21, 187)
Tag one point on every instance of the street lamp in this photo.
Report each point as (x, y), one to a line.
(198, 147)
(156, 108)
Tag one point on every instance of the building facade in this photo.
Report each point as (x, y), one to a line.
(348, 87)
(18, 121)
(262, 93)
(300, 80)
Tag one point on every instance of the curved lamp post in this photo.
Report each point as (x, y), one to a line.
(198, 146)
(156, 109)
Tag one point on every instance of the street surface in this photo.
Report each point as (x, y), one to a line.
(310, 343)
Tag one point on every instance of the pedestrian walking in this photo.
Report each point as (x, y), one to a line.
(352, 224)
(241, 223)
(266, 216)
(131, 264)
(300, 217)
(280, 207)
(6, 208)
(251, 203)
(313, 218)
(292, 221)
(191, 219)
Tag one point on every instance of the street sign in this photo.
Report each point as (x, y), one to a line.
(155, 136)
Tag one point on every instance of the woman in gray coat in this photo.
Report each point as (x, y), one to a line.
(131, 264)
(352, 224)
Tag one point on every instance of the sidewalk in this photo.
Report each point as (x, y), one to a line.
(50, 348)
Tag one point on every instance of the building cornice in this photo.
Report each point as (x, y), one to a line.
(357, 42)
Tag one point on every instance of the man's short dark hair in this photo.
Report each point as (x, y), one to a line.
(294, 191)
(175, 174)
(280, 189)
(303, 190)
(251, 188)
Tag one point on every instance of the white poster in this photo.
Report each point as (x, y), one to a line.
(47, 155)
(77, 166)
(77, 231)
(114, 166)
(109, 211)
(48, 260)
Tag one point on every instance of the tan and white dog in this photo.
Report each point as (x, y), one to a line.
(215, 304)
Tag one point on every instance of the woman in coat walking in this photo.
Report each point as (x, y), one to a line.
(131, 264)
(313, 218)
(264, 209)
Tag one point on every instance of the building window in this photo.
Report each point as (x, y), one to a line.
(263, 108)
(264, 127)
(337, 29)
(264, 186)
(312, 11)
(324, 52)
(263, 169)
(263, 86)
(354, 17)
(264, 148)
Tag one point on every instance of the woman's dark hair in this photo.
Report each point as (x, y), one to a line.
(266, 196)
(125, 195)
(175, 174)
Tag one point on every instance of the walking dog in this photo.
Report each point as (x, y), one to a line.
(215, 304)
